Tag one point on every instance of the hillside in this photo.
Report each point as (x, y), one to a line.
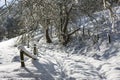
(55, 64)
(73, 41)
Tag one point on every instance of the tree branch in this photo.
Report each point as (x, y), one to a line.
(74, 32)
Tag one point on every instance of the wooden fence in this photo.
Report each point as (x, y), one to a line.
(24, 52)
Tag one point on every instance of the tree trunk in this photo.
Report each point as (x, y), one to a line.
(83, 32)
(65, 20)
(65, 35)
(48, 40)
(65, 24)
(28, 41)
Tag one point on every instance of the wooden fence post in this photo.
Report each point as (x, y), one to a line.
(23, 52)
(109, 38)
(89, 33)
(22, 58)
(35, 50)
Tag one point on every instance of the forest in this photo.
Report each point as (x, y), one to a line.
(61, 19)
(60, 39)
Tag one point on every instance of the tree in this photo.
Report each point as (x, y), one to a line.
(58, 14)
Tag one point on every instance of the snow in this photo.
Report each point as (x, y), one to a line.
(54, 64)
(8, 51)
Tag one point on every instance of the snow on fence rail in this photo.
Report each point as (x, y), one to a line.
(23, 52)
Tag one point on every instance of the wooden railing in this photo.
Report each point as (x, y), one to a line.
(25, 52)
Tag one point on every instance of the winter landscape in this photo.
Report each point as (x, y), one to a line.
(59, 39)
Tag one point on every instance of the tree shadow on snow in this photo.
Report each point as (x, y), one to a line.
(38, 72)
(45, 75)
(110, 52)
(27, 73)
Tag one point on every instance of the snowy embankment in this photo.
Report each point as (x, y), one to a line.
(55, 64)
(8, 51)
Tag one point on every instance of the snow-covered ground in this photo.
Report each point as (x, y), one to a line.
(55, 64)
(8, 51)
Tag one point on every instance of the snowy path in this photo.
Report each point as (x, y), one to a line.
(78, 67)
(53, 64)
(34, 70)
(56, 66)
(52, 68)
(74, 67)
